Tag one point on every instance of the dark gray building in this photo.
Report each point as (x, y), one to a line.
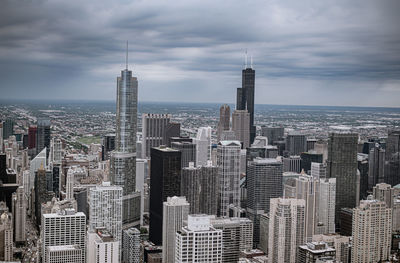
(8, 128)
(310, 157)
(245, 97)
(200, 187)
(173, 129)
(296, 143)
(376, 169)
(392, 163)
(42, 194)
(264, 181)
(342, 165)
(43, 136)
(188, 150)
(272, 133)
(165, 181)
(108, 146)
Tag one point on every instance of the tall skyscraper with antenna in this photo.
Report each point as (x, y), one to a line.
(123, 159)
(245, 95)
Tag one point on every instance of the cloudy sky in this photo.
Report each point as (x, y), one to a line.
(304, 52)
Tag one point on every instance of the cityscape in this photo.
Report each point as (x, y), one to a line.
(126, 180)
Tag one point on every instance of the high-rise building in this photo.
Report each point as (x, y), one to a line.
(69, 185)
(318, 170)
(341, 244)
(102, 247)
(6, 234)
(264, 181)
(272, 133)
(131, 245)
(241, 127)
(342, 165)
(376, 163)
(372, 232)
(228, 162)
(165, 181)
(43, 135)
(203, 145)
(108, 146)
(286, 229)
(56, 150)
(175, 211)
(309, 157)
(392, 163)
(200, 187)
(198, 241)
(42, 194)
(296, 143)
(385, 193)
(1, 137)
(292, 164)
(64, 253)
(237, 235)
(8, 128)
(312, 251)
(153, 130)
(105, 209)
(63, 228)
(32, 133)
(362, 173)
(188, 150)
(326, 206)
(224, 120)
(245, 97)
(19, 207)
(173, 129)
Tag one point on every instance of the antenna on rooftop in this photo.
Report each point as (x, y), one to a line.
(245, 59)
(126, 54)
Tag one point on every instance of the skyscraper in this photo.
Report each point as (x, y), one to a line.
(102, 247)
(286, 229)
(106, 209)
(8, 128)
(63, 228)
(43, 135)
(203, 145)
(224, 120)
(165, 181)
(153, 131)
(19, 211)
(228, 162)
(376, 163)
(69, 185)
(188, 150)
(326, 206)
(264, 181)
(131, 245)
(175, 211)
(173, 129)
(372, 231)
(6, 234)
(272, 133)
(296, 143)
(42, 195)
(123, 159)
(245, 97)
(392, 163)
(240, 126)
(342, 165)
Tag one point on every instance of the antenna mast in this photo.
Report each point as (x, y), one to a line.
(126, 61)
(245, 59)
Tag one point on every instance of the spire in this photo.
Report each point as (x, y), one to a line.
(126, 61)
(245, 59)
(251, 61)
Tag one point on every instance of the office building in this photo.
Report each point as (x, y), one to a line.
(188, 150)
(172, 129)
(43, 135)
(153, 129)
(372, 232)
(70, 184)
(8, 128)
(264, 233)
(200, 187)
(108, 145)
(224, 120)
(228, 162)
(65, 254)
(175, 211)
(245, 97)
(272, 133)
(296, 143)
(105, 209)
(392, 163)
(376, 166)
(362, 173)
(309, 157)
(42, 194)
(131, 251)
(286, 229)
(318, 170)
(326, 206)
(237, 235)
(198, 241)
(35, 164)
(312, 251)
(63, 228)
(292, 164)
(32, 133)
(19, 206)
(311, 144)
(342, 165)
(56, 150)
(264, 181)
(6, 233)
(1, 137)
(241, 127)
(102, 247)
(203, 145)
(341, 244)
(165, 181)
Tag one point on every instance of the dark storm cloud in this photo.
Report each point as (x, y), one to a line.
(327, 52)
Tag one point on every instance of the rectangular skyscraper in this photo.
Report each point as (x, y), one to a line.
(240, 126)
(245, 97)
(165, 181)
(153, 131)
(131, 245)
(392, 163)
(342, 165)
(43, 135)
(224, 120)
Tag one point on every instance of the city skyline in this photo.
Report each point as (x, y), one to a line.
(321, 54)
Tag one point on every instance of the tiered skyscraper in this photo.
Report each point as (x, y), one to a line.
(123, 159)
(245, 97)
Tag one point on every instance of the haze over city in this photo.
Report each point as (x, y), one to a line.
(305, 53)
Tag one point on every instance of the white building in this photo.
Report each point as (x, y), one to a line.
(318, 170)
(175, 211)
(63, 228)
(199, 241)
(131, 246)
(286, 229)
(19, 206)
(56, 151)
(326, 206)
(65, 254)
(371, 232)
(228, 162)
(105, 209)
(6, 234)
(340, 243)
(102, 247)
(203, 145)
(69, 185)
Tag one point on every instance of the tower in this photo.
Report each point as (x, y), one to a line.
(224, 120)
(43, 135)
(240, 126)
(392, 163)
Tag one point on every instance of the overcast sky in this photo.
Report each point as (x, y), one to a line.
(304, 52)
